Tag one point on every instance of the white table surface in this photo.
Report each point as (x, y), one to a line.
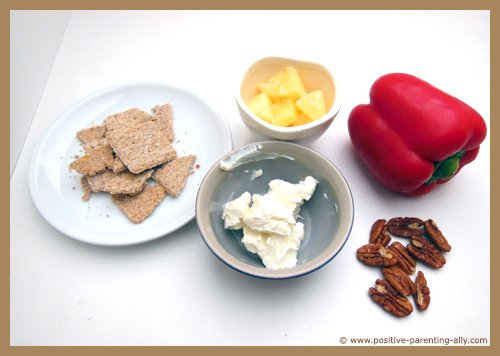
(173, 291)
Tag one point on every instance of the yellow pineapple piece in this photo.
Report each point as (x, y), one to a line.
(261, 105)
(283, 100)
(312, 105)
(291, 86)
(284, 113)
(272, 86)
(301, 120)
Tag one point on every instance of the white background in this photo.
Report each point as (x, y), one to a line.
(173, 291)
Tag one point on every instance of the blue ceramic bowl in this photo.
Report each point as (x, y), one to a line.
(327, 216)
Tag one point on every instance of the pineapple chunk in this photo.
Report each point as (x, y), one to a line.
(312, 105)
(283, 100)
(291, 86)
(285, 113)
(301, 120)
(272, 86)
(261, 105)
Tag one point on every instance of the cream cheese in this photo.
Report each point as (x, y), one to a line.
(269, 221)
(235, 210)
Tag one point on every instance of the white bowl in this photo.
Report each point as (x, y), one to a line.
(314, 76)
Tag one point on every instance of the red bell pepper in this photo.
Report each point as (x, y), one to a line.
(412, 135)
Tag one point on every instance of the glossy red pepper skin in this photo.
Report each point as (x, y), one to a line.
(412, 135)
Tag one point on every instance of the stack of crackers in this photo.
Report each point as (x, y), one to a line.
(130, 156)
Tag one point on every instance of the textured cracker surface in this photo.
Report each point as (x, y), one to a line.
(119, 183)
(173, 175)
(164, 114)
(141, 146)
(91, 133)
(118, 166)
(140, 206)
(87, 191)
(92, 145)
(127, 119)
(94, 161)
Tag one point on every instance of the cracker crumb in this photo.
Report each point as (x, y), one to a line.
(87, 191)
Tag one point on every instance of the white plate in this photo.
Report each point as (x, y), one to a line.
(56, 190)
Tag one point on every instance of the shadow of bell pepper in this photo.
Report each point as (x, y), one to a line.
(412, 135)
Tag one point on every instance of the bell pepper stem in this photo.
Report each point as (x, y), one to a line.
(446, 168)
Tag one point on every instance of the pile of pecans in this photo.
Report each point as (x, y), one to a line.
(426, 244)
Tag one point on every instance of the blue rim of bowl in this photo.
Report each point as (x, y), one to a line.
(351, 223)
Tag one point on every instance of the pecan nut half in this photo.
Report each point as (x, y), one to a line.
(423, 250)
(375, 255)
(384, 295)
(399, 280)
(436, 235)
(405, 227)
(405, 261)
(422, 294)
(378, 233)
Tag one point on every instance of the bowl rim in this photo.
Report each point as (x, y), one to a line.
(329, 115)
(213, 245)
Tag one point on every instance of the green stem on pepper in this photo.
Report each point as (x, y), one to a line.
(446, 168)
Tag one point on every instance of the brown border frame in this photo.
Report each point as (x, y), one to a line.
(6, 6)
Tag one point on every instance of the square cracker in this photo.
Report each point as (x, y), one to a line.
(95, 161)
(140, 146)
(119, 183)
(164, 114)
(139, 207)
(173, 175)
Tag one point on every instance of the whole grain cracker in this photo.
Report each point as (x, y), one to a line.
(140, 206)
(119, 183)
(95, 161)
(92, 133)
(141, 146)
(173, 175)
(164, 114)
(92, 145)
(127, 119)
